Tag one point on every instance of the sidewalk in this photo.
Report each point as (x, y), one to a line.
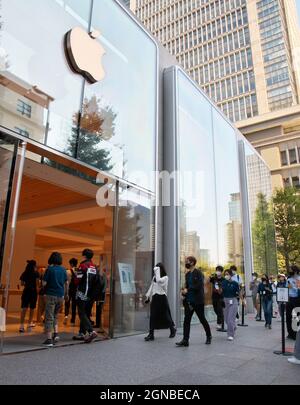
(248, 360)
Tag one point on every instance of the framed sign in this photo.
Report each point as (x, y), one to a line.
(126, 278)
(283, 294)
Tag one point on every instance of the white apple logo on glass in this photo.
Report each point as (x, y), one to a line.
(84, 54)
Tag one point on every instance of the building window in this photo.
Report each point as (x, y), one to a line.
(296, 181)
(24, 108)
(286, 182)
(22, 132)
(284, 161)
(293, 156)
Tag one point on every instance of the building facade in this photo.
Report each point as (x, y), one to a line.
(245, 55)
(82, 161)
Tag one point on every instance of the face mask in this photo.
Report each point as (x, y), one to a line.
(188, 265)
(227, 277)
(234, 272)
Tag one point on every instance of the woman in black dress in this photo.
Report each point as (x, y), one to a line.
(160, 314)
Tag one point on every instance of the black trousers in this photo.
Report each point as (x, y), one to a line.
(99, 309)
(189, 310)
(218, 308)
(83, 311)
(293, 303)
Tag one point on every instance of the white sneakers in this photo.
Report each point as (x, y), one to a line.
(230, 338)
(293, 360)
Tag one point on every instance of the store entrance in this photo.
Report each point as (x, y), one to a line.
(57, 212)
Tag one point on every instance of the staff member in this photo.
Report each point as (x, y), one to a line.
(230, 290)
(266, 291)
(193, 301)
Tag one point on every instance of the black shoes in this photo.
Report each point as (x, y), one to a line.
(48, 343)
(208, 340)
(149, 337)
(173, 333)
(182, 343)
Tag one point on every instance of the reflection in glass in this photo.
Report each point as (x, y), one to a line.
(197, 212)
(134, 261)
(261, 214)
(230, 241)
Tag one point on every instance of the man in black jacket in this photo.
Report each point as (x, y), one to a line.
(193, 294)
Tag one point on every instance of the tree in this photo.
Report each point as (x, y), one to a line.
(263, 233)
(287, 224)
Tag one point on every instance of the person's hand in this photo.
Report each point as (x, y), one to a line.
(147, 301)
(184, 291)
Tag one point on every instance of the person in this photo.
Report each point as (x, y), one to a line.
(230, 290)
(193, 301)
(296, 358)
(236, 277)
(293, 284)
(100, 300)
(29, 279)
(254, 290)
(217, 296)
(71, 273)
(55, 281)
(87, 290)
(266, 291)
(160, 314)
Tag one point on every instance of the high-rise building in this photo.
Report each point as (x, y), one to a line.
(244, 54)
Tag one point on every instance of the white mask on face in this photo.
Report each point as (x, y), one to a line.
(227, 277)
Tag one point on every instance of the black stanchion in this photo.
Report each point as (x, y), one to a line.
(260, 309)
(282, 351)
(243, 315)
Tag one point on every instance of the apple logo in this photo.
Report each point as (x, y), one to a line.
(84, 54)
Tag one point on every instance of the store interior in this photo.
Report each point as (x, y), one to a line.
(57, 211)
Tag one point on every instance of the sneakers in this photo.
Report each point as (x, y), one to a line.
(182, 343)
(230, 338)
(65, 320)
(90, 337)
(218, 327)
(269, 326)
(55, 337)
(80, 336)
(48, 343)
(21, 329)
(293, 360)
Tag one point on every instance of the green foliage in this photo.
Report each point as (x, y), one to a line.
(263, 233)
(287, 223)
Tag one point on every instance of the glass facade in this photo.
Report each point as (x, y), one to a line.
(108, 125)
(209, 203)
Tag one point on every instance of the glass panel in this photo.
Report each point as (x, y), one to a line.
(8, 150)
(36, 78)
(134, 261)
(197, 212)
(119, 112)
(230, 242)
(261, 214)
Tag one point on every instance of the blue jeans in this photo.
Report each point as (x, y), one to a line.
(268, 310)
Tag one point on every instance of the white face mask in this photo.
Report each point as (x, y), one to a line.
(227, 277)
(156, 268)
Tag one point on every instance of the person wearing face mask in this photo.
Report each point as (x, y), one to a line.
(293, 284)
(160, 314)
(254, 290)
(230, 290)
(193, 301)
(265, 289)
(236, 277)
(217, 296)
